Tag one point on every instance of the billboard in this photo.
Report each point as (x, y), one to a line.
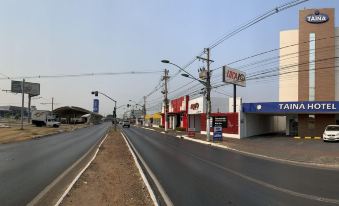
(233, 76)
(96, 105)
(29, 88)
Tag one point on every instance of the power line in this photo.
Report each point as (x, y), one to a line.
(272, 50)
(256, 20)
(81, 75)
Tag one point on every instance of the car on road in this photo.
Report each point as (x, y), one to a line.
(126, 123)
(331, 133)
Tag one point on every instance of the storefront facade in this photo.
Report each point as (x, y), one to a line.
(177, 113)
(219, 112)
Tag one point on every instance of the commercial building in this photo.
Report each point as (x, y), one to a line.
(220, 108)
(12, 112)
(308, 81)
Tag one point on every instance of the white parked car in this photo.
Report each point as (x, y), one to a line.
(331, 133)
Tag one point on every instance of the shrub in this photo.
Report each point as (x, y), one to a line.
(180, 129)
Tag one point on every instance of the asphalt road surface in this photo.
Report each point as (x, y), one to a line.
(26, 168)
(197, 174)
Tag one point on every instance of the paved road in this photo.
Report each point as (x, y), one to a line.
(26, 168)
(196, 174)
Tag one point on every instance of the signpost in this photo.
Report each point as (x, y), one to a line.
(235, 77)
(191, 132)
(32, 89)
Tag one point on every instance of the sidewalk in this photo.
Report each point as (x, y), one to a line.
(307, 151)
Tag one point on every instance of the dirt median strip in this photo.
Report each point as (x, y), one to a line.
(111, 179)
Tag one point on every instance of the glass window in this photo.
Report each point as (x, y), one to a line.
(312, 67)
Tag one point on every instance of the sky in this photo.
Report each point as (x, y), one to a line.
(44, 37)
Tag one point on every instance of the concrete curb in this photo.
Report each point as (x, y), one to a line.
(308, 138)
(292, 162)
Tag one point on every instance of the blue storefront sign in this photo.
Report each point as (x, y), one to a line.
(96, 105)
(292, 107)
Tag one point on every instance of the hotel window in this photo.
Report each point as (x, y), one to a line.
(312, 67)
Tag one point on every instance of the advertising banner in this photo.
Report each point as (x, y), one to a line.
(196, 106)
(220, 121)
(217, 134)
(96, 105)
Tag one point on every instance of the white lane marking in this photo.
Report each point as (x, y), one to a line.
(151, 174)
(150, 191)
(80, 173)
(163, 132)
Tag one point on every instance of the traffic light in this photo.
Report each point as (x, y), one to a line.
(95, 93)
(114, 113)
(128, 105)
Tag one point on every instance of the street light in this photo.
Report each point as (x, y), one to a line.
(207, 85)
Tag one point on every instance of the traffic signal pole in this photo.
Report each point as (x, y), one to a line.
(114, 110)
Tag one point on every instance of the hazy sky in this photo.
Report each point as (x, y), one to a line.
(42, 37)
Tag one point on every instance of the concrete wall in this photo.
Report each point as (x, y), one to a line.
(288, 82)
(255, 124)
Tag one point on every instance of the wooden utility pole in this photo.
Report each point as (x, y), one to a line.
(208, 95)
(208, 92)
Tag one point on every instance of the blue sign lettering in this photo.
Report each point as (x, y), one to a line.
(292, 107)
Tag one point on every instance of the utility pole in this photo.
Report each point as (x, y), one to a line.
(165, 92)
(144, 109)
(208, 95)
(51, 103)
(29, 108)
(208, 92)
(22, 103)
(115, 116)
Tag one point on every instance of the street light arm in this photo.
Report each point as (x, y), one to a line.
(108, 97)
(202, 82)
(183, 70)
